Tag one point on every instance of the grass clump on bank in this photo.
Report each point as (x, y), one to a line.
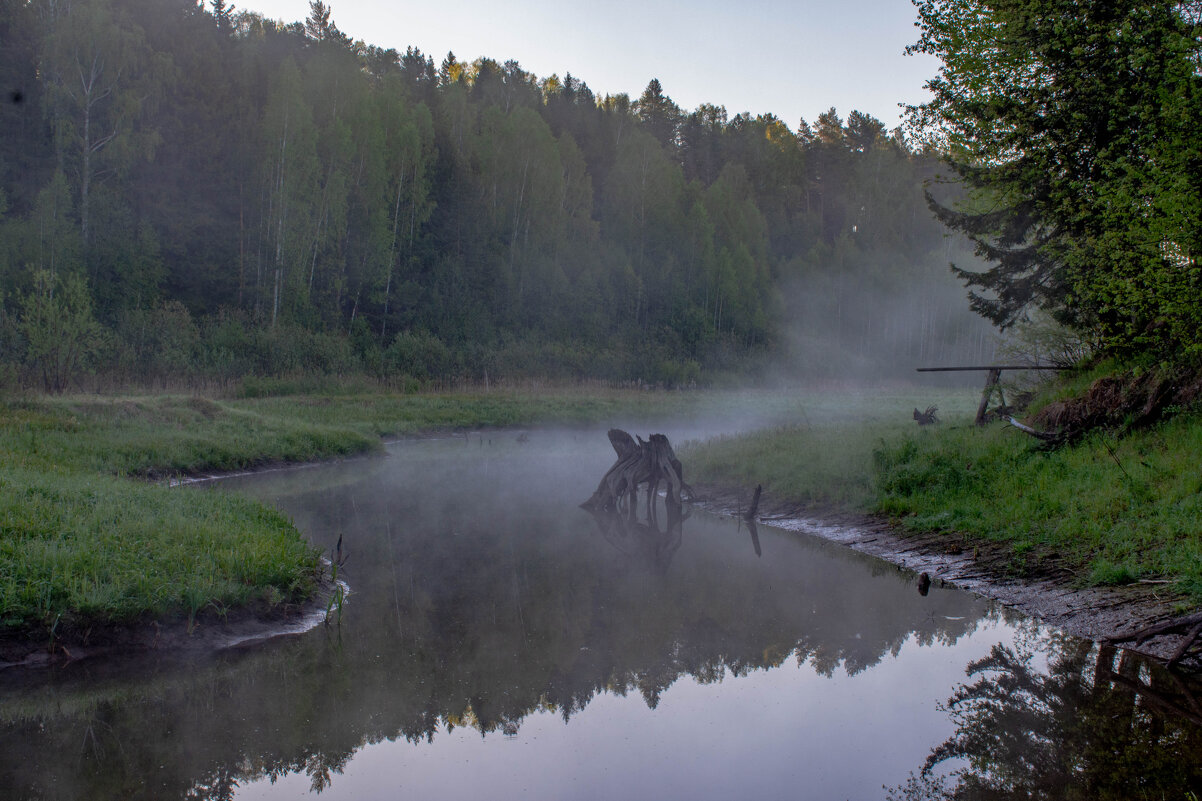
(82, 543)
(824, 458)
(1112, 511)
(827, 467)
(79, 549)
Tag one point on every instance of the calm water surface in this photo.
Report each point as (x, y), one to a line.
(501, 642)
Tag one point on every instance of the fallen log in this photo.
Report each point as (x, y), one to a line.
(1185, 644)
(1046, 436)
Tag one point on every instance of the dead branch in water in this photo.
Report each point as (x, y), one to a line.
(755, 503)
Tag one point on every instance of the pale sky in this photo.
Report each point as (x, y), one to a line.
(791, 59)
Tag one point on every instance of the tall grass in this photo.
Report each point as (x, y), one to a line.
(823, 456)
(150, 437)
(1112, 510)
(88, 548)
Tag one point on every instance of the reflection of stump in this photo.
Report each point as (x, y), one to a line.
(638, 463)
(643, 541)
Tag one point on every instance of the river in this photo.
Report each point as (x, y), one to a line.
(499, 641)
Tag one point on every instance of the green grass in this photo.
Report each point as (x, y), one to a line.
(1114, 511)
(1111, 511)
(81, 548)
(152, 437)
(824, 458)
(82, 542)
(85, 538)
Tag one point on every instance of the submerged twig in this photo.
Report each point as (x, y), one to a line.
(755, 503)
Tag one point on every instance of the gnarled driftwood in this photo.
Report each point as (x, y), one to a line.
(638, 463)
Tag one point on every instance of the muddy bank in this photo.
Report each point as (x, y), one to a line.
(1048, 591)
(182, 639)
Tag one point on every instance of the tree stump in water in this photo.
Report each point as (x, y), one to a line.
(638, 463)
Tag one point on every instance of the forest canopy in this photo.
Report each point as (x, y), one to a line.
(189, 193)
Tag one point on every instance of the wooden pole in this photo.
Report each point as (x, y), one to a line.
(990, 382)
(989, 367)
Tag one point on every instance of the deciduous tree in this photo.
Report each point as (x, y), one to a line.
(1066, 121)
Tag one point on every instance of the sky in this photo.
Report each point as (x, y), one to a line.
(792, 59)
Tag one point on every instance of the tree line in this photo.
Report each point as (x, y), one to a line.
(188, 191)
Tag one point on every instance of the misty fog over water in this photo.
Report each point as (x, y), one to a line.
(499, 639)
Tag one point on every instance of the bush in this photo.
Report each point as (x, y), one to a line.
(61, 335)
(158, 345)
(420, 355)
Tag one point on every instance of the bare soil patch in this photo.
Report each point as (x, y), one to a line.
(209, 632)
(1121, 401)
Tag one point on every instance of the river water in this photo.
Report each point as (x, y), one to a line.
(501, 642)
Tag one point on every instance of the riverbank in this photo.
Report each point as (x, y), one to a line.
(95, 544)
(96, 547)
(1093, 613)
(1099, 537)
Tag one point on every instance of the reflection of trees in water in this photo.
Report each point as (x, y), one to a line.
(467, 621)
(463, 655)
(1095, 723)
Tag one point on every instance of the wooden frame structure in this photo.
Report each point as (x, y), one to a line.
(994, 375)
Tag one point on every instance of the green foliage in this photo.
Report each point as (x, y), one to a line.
(80, 542)
(158, 345)
(822, 455)
(1110, 512)
(59, 330)
(1074, 127)
(287, 201)
(82, 549)
(420, 355)
(1113, 513)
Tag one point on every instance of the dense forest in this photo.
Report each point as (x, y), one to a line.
(188, 193)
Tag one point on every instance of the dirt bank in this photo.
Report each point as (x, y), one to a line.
(1049, 592)
(208, 633)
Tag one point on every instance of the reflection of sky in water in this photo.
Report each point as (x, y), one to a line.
(786, 732)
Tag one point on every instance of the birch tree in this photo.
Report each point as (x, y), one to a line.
(100, 76)
(288, 170)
